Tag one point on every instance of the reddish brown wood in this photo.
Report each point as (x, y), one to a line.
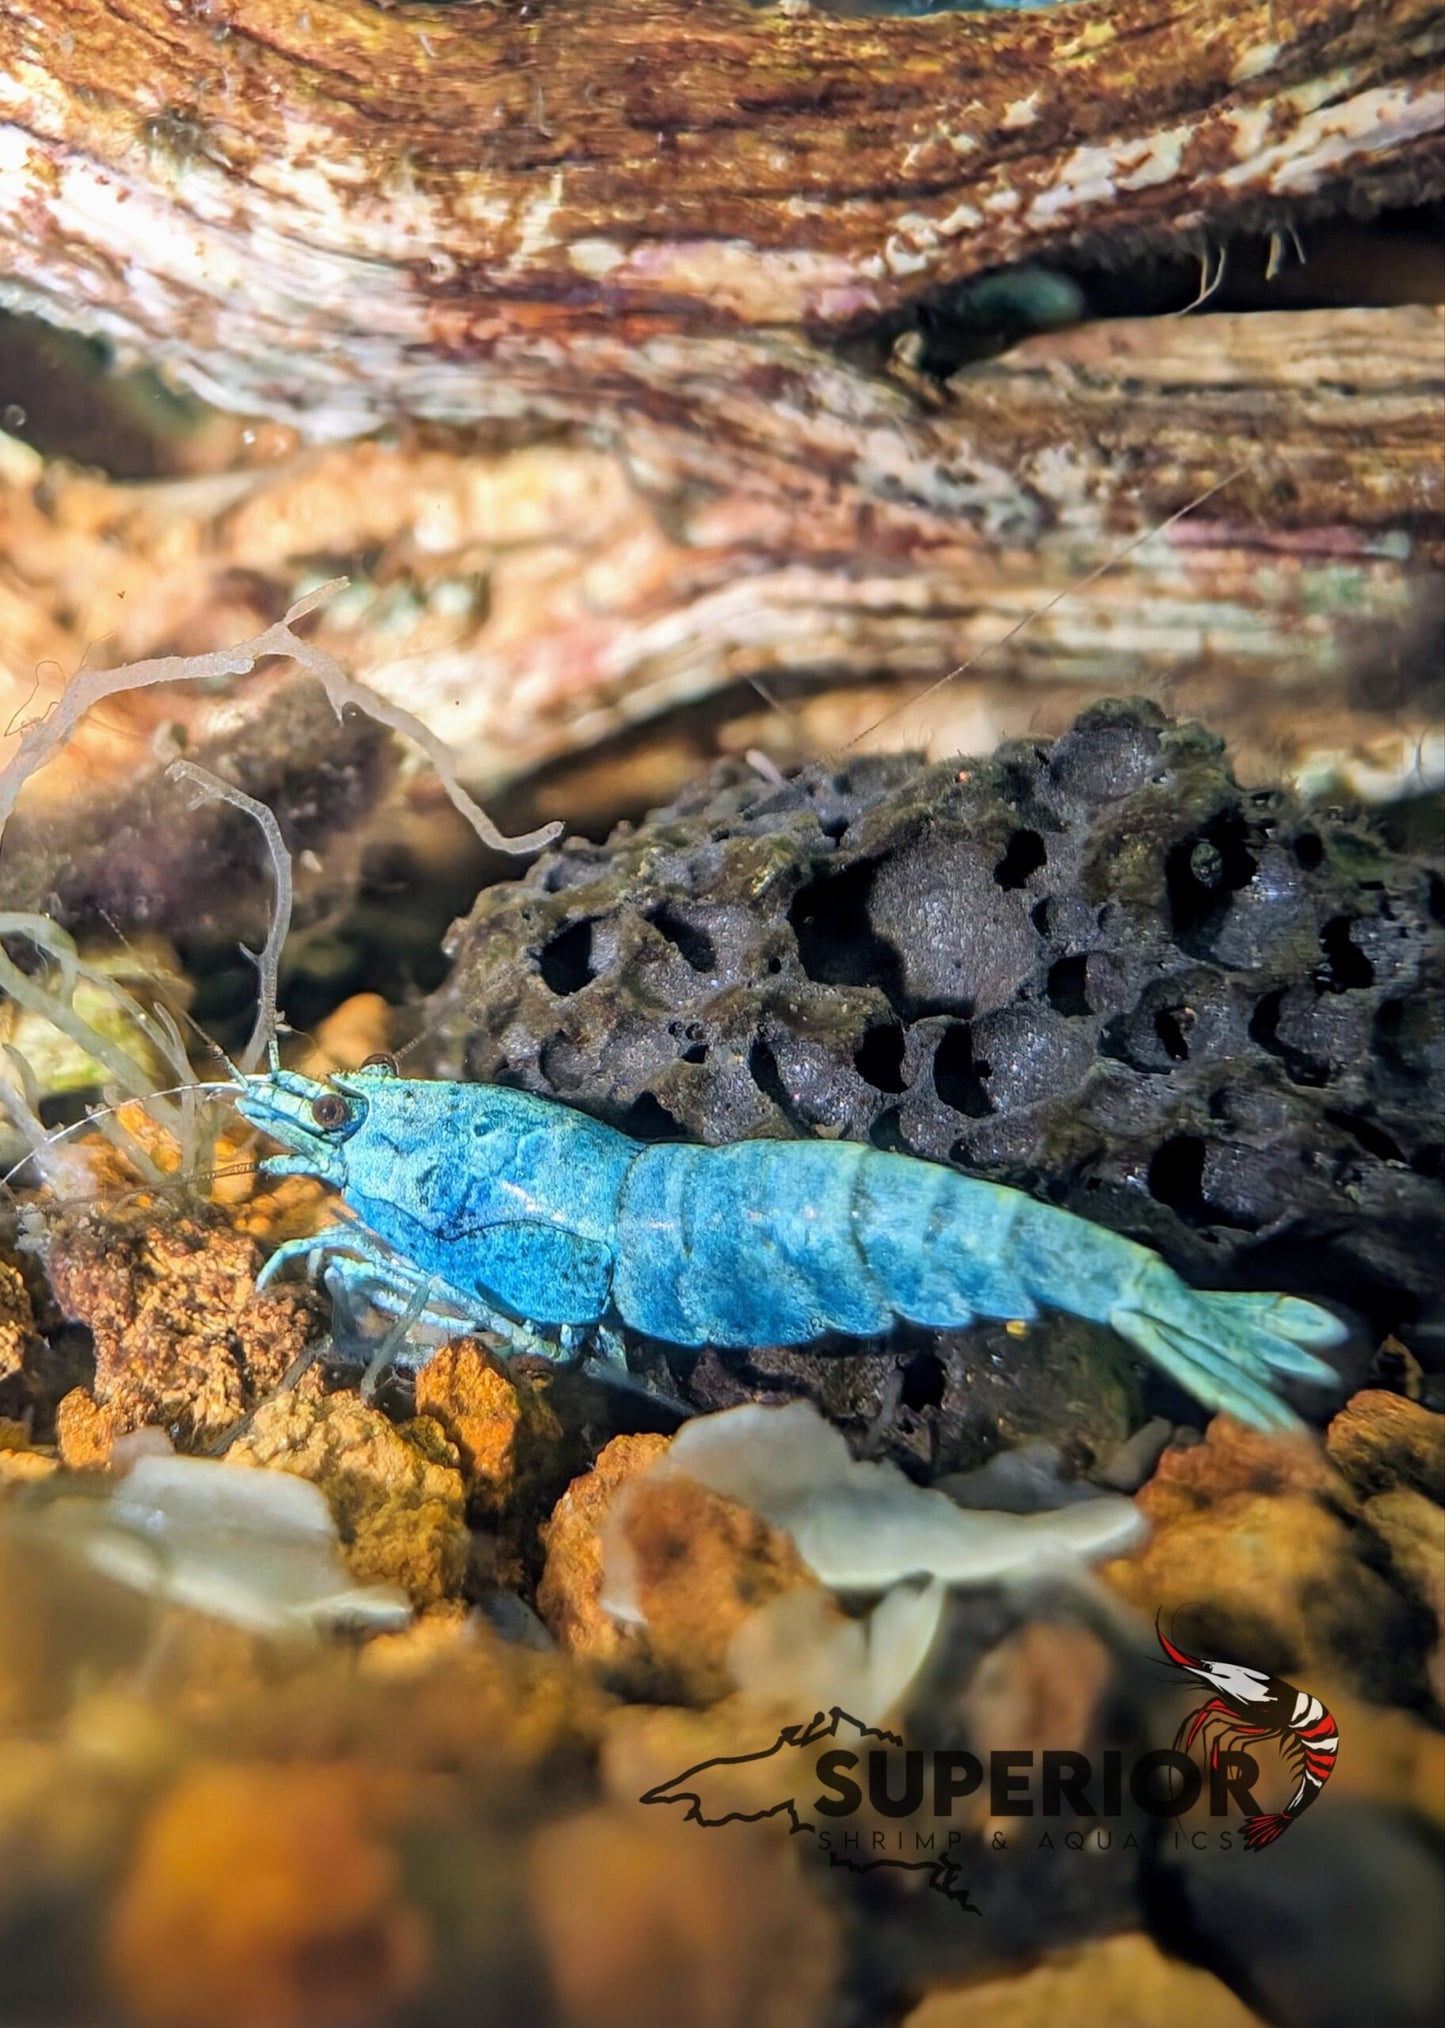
(338, 212)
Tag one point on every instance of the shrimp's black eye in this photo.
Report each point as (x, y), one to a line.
(330, 1110)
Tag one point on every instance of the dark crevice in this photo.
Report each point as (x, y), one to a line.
(1349, 970)
(688, 938)
(1024, 856)
(1170, 1027)
(886, 1133)
(1176, 1177)
(1300, 1068)
(958, 324)
(878, 1059)
(837, 944)
(647, 1119)
(924, 1379)
(1372, 1138)
(66, 1108)
(565, 960)
(765, 1074)
(1203, 873)
(1402, 1030)
(957, 1077)
(1067, 979)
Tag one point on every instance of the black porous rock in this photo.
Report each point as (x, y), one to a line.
(1098, 970)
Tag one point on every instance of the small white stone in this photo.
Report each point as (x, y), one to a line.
(258, 1548)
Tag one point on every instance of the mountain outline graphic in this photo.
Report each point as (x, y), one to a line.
(943, 1875)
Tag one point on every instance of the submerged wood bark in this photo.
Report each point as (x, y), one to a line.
(338, 212)
(536, 604)
(647, 259)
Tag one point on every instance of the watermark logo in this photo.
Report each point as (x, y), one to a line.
(809, 1782)
(870, 1801)
(1248, 1705)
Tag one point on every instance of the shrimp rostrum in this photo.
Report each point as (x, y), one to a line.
(476, 1206)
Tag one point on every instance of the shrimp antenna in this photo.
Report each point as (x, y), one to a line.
(106, 1112)
(211, 789)
(208, 1042)
(1059, 598)
(399, 1056)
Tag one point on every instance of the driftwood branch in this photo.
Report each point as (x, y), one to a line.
(668, 246)
(530, 603)
(338, 213)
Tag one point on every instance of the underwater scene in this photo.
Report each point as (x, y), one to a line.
(722, 1013)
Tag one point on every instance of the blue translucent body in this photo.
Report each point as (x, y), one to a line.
(521, 1215)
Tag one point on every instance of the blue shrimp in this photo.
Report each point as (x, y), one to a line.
(504, 1211)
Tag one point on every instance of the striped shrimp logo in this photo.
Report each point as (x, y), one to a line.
(1247, 1705)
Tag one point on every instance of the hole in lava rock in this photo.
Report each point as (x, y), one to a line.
(1349, 968)
(1176, 1176)
(765, 1074)
(1202, 872)
(647, 1119)
(924, 1378)
(566, 959)
(1169, 1027)
(688, 938)
(1309, 850)
(837, 944)
(1066, 988)
(1025, 854)
(1300, 1068)
(878, 1059)
(1372, 1138)
(957, 1079)
(886, 1133)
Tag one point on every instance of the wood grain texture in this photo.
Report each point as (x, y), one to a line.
(645, 260)
(538, 603)
(338, 213)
